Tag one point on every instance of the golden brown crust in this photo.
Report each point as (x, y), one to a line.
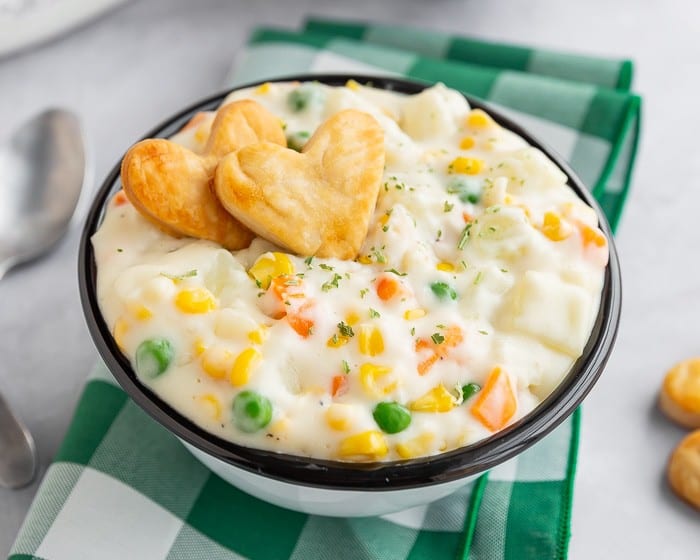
(684, 469)
(242, 123)
(171, 185)
(318, 202)
(680, 394)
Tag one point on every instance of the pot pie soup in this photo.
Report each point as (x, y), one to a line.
(348, 273)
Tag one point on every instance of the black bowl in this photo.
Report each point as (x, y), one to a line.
(391, 475)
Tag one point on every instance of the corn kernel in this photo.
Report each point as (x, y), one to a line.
(416, 447)
(370, 377)
(445, 267)
(217, 362)
(243, 366)
(139, 311)
(336, 341)
(269, 266)
(467, 143)
(197, 300)
(121, 326)
(593, 235)
(262, 89)
(213, 403)
(353, 85)
(199, 347)
(438, 399)
(555, 228)
(383, 219)
(466, 166)
(478, 119)
(258, 335)
(371, 340)
(412, 314)
(367, 445)
(507, 199)
(364, 259)
(338, 417)
(352, 318)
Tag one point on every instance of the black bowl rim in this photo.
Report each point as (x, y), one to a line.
(377, 476)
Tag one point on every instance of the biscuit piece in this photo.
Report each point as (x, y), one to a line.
(317, 202)
(680, 393)
(684, 469)
(171, 185)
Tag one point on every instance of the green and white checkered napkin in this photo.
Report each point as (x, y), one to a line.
(121, 486)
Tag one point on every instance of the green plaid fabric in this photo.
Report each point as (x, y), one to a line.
(616, 74)
(121, 486)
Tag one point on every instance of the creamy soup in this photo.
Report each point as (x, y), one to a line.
(473, 294)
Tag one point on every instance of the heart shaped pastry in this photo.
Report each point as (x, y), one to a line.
(172, 186)
(317, 202)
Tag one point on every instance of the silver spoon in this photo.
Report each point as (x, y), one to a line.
(42, 171)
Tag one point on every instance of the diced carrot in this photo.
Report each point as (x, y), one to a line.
(592, 236)
(339, 385)
(452, 337)
(286, 286)
(496, 403)
(426, 364)
(595, 244)
(467, 217)
(120, 198)
(302, 325)
(387, 288)
(194, 121)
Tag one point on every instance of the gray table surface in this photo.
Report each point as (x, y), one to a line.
(139, 64)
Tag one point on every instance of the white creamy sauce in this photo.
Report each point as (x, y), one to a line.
(520, 291)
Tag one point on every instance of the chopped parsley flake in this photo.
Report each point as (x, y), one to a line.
(345, 329)
(483, 332)
(385, 228)
(346, 367)
(324, 266)
(478, 278)
(374, 313)
(327, 286)
(437, 338)
(363, 292)
(308, 261)
(378, 255)
(394, 271)
(464, 237)
(413, 331)
(188, 274)
(448, 207)
(120, 250)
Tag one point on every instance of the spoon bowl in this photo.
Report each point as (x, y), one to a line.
(42, 171)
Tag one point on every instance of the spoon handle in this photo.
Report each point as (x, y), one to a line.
(17, 451)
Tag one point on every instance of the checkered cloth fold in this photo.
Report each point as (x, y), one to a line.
(121, 486)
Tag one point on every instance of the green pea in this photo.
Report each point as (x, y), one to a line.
(297, 140)
(251, 411)
(153, 357)
(391, 417)
(469, 390)
(468, 190)
(443, 290)
(301, 97)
